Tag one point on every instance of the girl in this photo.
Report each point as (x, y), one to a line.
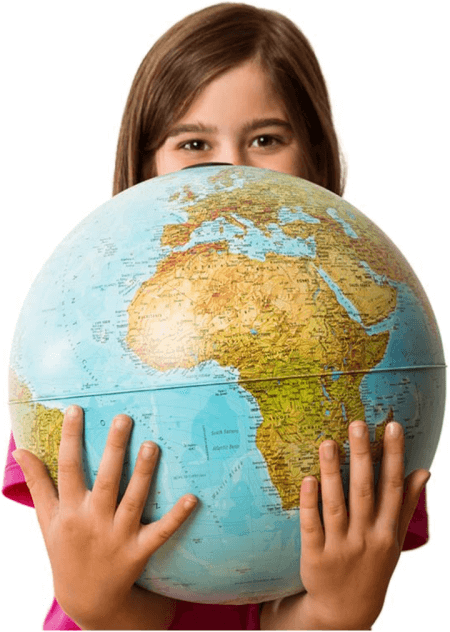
(239, 85)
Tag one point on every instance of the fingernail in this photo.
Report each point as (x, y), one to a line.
(358, 430)
(329, 450)
(72, 411)
(148, 450)
(309, 484)
(394, 429)
(16, 456)
(122, 422)
(190, 501)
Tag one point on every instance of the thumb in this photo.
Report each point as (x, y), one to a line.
(414, 484)
(42, 489)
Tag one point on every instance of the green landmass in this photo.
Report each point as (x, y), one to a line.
(35, 427)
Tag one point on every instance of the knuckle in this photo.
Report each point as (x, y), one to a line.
(307, 504)
(143, 468)
(386, 541)
(331, 473)
(169, 524)
(165, 531)
(118, 438)
(70, 522)
(70, 433)
(308, 528)
(364, 489)
(335, 508)
(116, 443)
(66, 466)
(132, 504)
(100, 535)
(105, 484)
(362, 452)
(358, 546)
(360, 447)
(395, 449)
(71, 427)
(396, 483)
(32, 483)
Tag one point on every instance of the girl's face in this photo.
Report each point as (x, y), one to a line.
(239, 119)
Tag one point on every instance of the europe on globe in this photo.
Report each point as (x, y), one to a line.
(240, 316)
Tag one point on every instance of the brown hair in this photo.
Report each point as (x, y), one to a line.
(206, 44)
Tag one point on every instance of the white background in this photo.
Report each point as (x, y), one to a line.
(66, 72)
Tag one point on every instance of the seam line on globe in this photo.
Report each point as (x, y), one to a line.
(238, 381)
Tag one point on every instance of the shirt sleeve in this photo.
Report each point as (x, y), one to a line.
(57, 619)
(417, 533)
(14, 486)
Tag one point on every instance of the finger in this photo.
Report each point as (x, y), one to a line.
(107, 482)
(154, 535)
(42, 489)
(414, 484)
(334, 508)
(361, 492)
(312, 535)
(71, 484)
(129, 512)
(391, 481)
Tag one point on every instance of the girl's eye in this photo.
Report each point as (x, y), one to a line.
(195, 145)
(265, 140)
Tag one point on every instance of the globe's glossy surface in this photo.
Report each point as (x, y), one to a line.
(240, 316)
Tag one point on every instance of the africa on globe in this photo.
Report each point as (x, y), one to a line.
(240, 316)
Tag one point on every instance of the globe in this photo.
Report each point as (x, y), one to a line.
(240, 316)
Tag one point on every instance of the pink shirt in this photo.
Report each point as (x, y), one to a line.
(189, 616)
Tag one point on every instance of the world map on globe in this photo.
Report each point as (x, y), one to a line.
(240, 316)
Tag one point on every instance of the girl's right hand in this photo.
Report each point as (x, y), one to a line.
(97, 549)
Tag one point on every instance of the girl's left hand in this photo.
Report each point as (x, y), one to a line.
(347, 563)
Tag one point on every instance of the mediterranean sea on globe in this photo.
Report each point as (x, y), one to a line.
(240, 316)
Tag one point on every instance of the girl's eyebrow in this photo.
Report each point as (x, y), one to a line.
(249, 127)
(267, 122)
(182, 129)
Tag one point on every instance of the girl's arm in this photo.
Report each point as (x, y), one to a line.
(97, 549)
(141, 610)
(347, 563)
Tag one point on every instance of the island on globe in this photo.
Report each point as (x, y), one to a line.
(241, 317)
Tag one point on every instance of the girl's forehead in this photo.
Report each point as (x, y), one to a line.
(243, 93)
